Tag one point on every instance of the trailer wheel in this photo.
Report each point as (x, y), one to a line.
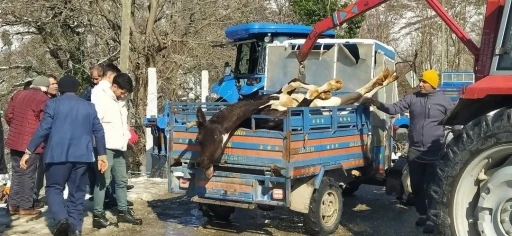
(222, 213)
(325, 209)
(472, 192)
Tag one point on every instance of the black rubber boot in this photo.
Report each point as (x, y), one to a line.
(75, 233)
(127, 217)
(429, 228)
(100, 221)
(422, 221)
(62, 228)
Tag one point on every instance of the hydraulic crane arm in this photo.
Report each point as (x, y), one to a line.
(360, 7)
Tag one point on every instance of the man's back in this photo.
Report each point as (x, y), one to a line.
(71, 133)
(23, 115)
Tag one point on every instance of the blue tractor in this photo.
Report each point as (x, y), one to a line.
(249, 74)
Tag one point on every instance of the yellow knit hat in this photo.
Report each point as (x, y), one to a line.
(431, 77)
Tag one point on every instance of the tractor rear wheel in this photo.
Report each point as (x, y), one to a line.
(472, 192)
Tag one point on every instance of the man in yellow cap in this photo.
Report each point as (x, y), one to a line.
(429, 81)
(426, 109)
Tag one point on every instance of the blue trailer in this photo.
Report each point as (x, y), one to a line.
(315, 158)
(309, 162)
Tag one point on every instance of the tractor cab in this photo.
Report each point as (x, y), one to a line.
(248, 75)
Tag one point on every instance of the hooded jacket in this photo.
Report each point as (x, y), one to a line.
(426, 110)
(113, 115)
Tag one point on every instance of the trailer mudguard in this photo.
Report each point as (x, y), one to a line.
(302, 191)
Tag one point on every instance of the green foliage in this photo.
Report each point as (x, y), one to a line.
(309, 12)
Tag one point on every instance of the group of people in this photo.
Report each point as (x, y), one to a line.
(78, 142)
(427, 107)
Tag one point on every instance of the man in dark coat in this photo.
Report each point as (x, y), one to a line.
(68, 125)
(96, 75)
(24, 112)
(426, 108)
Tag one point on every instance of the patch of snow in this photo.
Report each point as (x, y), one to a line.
(145, 189)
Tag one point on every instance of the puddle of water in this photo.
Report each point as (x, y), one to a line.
(190, 218)
(180, 221)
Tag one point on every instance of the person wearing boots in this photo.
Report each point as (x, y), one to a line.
(427, 108)
(98, 73)
(68, 126)
(53, 92)
(109, 98)
(24, 112)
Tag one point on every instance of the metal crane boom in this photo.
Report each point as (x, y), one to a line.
(474, 98)
(360, 7)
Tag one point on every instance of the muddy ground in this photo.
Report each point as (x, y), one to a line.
(368, 212)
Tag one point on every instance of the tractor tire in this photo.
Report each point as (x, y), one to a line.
(218, 212)
(472, 191)
(327, 195)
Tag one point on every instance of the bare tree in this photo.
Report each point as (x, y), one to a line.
(67, 37)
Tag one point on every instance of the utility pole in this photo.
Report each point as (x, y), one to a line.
(125, 35)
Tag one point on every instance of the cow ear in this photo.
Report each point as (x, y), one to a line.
(201, 118)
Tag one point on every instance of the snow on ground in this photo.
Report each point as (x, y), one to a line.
(146, 189)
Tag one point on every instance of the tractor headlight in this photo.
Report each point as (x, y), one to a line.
(253, 80)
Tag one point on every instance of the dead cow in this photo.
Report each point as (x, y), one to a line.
(382, 80)
(295, 100)
(214, 133)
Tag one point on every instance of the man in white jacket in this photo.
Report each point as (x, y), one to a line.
(109, 98)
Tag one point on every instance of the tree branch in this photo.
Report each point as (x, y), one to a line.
(152, 17)
(22, 67)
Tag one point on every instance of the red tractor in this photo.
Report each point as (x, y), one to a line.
(473, 189)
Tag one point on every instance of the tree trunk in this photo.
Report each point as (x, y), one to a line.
(125, 35)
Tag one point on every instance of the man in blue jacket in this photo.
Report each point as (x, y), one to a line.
(427, 108)
(68, 125)
(96, 74)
